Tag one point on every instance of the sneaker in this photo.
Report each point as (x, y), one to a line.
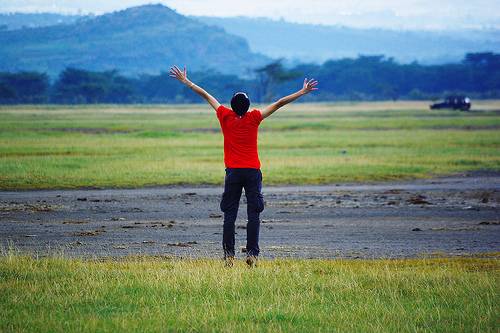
(229, 261)
(251, 261)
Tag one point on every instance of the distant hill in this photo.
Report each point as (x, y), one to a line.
(145, 39)
(17, 21)
(317, 43)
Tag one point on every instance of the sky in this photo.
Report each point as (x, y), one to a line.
(393, 14)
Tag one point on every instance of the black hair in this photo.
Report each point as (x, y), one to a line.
(240, 103)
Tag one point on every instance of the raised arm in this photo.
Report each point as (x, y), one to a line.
(182, 76)
(306, 88)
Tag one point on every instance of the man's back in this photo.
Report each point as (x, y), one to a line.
(240, 138)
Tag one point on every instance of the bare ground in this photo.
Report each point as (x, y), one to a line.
(455, 215)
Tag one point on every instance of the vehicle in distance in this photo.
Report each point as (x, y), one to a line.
(453, 102)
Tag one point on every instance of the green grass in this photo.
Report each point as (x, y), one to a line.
(108, 146)
(128, 146)
(56, 294)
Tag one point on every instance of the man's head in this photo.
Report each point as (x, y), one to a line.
(240, 103)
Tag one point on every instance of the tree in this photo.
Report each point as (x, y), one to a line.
(389, 90)
(271, 76)
(162, 89)
(76, 86)
(487, 60)
(484, 70)
(23, 87)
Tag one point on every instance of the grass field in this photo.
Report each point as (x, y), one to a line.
(430, 295)
(129, 146)
(124, 146)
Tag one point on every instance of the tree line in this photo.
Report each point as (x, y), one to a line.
(369, 78)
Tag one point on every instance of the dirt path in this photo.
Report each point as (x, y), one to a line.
(455, 215)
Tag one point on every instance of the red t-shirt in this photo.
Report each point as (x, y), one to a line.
(240, 138)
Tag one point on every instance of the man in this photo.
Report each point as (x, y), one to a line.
(239, 127)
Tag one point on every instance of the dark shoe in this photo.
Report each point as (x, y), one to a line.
(229, 261)
(251, 261)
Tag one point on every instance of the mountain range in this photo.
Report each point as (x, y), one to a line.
(149, 39)
(140, 40)
(319, 43)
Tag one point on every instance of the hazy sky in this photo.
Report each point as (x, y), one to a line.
(362, 13)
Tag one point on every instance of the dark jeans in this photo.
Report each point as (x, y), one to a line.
(251, 181)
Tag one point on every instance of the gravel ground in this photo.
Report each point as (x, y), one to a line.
(447, 216)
